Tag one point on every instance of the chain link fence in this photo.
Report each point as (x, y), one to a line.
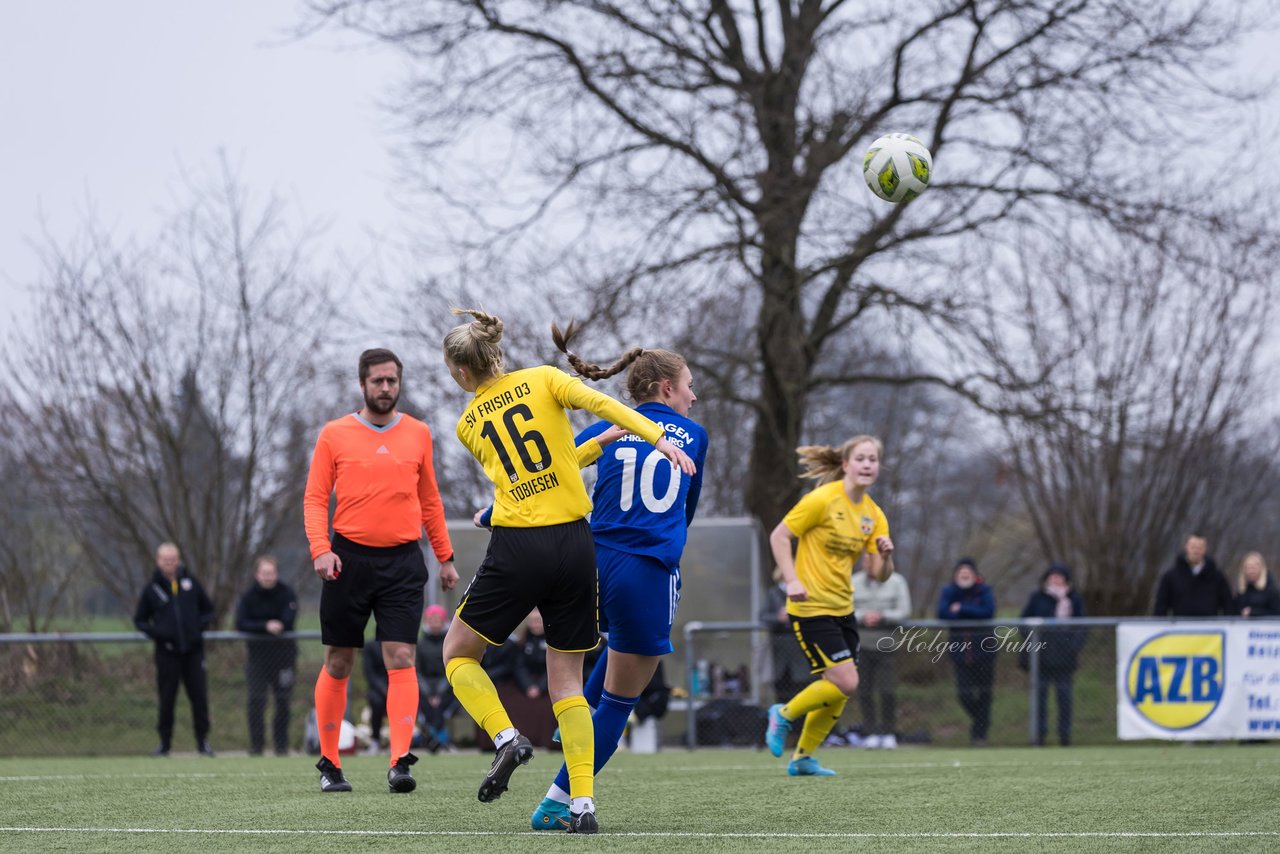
(951, 683)
(96, 694)
(1039, 682)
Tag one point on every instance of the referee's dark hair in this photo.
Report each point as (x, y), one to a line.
(378, 356)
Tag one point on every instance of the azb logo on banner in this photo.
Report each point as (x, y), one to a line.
(1175, 679)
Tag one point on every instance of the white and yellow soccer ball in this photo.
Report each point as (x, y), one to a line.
(897, 167)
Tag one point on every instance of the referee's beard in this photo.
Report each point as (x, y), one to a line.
(381, 404)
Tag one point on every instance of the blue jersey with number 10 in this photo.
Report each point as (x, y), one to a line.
(641, 503)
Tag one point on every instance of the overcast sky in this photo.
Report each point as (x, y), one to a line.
(106, 105)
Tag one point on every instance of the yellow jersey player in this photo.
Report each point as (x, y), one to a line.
(541, 554)
(837, 523)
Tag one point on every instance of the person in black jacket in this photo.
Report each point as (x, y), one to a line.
(1258, 596)
(1059, 650)
(174, 611)
(269, 608)
(1193, 586)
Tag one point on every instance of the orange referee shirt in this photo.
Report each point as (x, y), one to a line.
(385, 481)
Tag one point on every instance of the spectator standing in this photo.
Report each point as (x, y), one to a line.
(1258, 596)
(436, 705)
(1059, 655)
(530, 665)
(269, 608)
(377, 683)
(972, 649)
(882, 605)
(789, 667)
(1194, 586)
(174, 612)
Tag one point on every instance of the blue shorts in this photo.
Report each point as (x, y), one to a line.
(638, 598)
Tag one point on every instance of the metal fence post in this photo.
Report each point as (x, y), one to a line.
(690, 671)
(1033, 671)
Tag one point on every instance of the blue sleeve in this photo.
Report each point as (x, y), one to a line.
(590, 432)
(944, 603)
(486, 519)
(982, 609)
(695, 485)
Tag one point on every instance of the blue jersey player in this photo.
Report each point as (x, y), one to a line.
(642, 507)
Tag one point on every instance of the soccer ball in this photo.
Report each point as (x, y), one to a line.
(897, 167)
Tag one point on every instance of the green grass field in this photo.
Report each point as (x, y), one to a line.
(1126, 798)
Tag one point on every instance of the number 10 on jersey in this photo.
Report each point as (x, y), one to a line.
(652, 502)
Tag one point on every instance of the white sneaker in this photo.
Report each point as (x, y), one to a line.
(889, 742)
(872, 742)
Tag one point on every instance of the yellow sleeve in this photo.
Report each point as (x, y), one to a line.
(572, 393)
(588, 452)
(807, 513)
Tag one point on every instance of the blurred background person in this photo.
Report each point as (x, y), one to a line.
(269, 608)
(1257, 596)
(1059, 653)
(882, 606)
(972, 649)
(437, 705)
(1193, 586)
(788, 667)
(377, 683)
(174, 611)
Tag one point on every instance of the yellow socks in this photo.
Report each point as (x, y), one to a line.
(577, 737)
(817, 726)
(816, 695)
(474, 690)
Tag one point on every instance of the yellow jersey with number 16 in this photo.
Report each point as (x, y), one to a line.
(517, 428)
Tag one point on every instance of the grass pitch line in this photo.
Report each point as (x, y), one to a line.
(1137, 834)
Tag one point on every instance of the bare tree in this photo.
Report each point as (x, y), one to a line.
(40, 566)
(174, 380)
(699, 159)
(1153, 359)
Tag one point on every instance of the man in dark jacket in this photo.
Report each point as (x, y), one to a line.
(973, 648)
(174, 611)
(269, 608)
(1058, 652)
(1193, 586)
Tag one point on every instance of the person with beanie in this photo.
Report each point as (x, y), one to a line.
(1059, 647)
(972, 648)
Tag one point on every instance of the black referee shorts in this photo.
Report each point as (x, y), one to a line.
(386, 582)
(827, 641)
(551, 568)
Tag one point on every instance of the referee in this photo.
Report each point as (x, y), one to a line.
(378, 461)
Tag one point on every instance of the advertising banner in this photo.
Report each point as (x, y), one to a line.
(1188, 681)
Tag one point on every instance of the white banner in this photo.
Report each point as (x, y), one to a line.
(1194, 681)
